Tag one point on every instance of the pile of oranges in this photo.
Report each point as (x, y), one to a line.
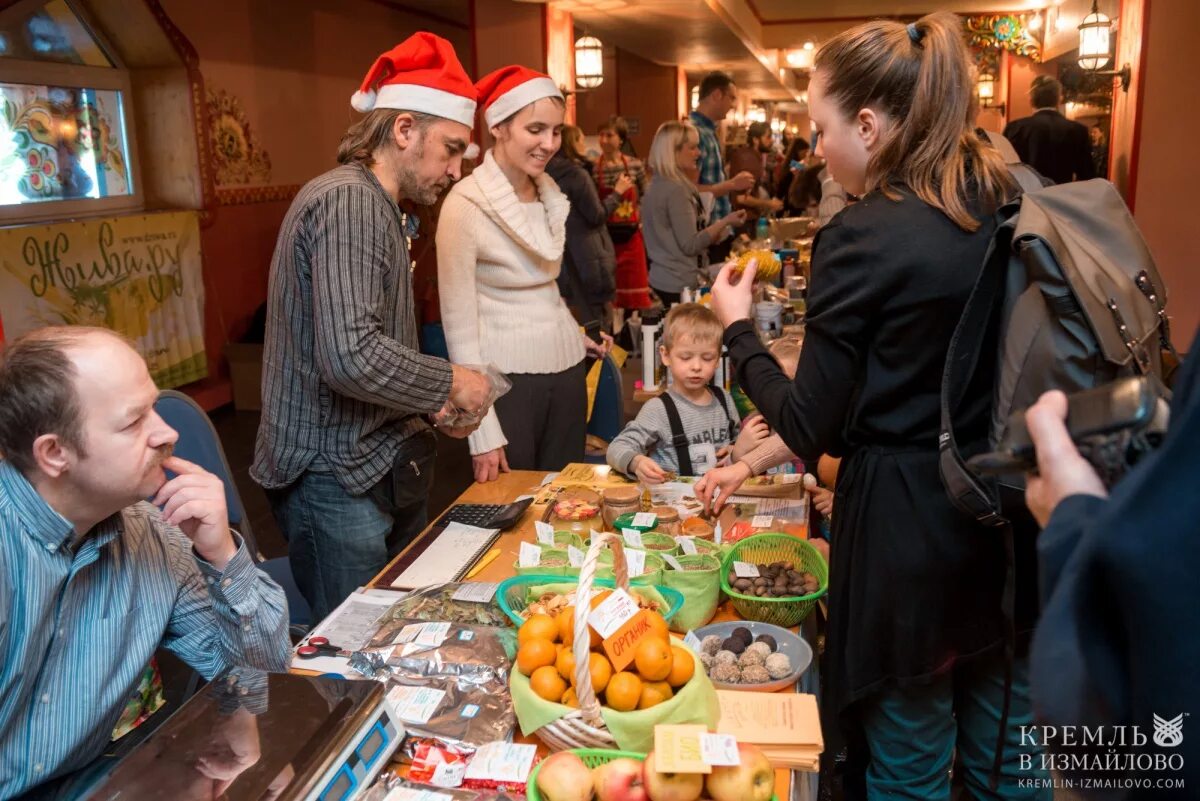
(544, 654)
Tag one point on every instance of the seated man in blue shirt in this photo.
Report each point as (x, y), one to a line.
(92, 577)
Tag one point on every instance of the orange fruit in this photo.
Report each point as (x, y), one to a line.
(659, 624)
(682, 666)
(565, 664)
(653, 659)
(546, 682)
(569, 698)
(623, 692)
(566, 625)
(599, 597)
(535, 654)
(600, 670)
(652, 695)
(538, 626)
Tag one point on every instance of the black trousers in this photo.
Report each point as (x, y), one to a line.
(544, 417)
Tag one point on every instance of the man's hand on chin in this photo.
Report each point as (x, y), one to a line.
(195, 502)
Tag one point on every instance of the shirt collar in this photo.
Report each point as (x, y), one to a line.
(410, 221)
(41, 522)
(699, 119)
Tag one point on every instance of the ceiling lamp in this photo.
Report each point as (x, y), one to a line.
(589, 62)
(809, 45)
(1095, 46)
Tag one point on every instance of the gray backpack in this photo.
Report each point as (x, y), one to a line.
(1069, 298)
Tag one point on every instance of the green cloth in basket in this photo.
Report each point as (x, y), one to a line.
(654, 567)
(538, 590)
(542, 570)
(694, 702)
(701, 590)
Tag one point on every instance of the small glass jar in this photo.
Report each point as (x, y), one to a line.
(619, 501)
(577, 510)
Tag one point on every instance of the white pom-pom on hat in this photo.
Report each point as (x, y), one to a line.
(363, 101)
(472, 152)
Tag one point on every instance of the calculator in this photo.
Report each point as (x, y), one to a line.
(485, 515)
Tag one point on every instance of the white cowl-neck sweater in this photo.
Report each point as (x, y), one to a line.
(498, 259)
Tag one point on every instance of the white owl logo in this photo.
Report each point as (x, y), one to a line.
(1168, 733)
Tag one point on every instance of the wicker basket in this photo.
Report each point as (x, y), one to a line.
(764, 549)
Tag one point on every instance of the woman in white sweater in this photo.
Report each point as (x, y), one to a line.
(500, 245)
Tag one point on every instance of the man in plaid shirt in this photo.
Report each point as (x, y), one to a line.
(718, 95)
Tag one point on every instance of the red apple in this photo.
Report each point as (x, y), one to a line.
(670, 786)
(564, 777)
(751, 780)
(620, 780)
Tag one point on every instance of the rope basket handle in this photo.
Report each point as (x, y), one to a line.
(589, 706)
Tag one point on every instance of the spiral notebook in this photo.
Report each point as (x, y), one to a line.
(440, 557)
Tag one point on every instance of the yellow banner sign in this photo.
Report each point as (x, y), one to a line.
(138, 275)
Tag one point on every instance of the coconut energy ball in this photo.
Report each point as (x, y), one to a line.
(778, 666)
(755, 674)
(726, 673)
(710, 644)
(725, 658)
(759, 648)
(749, 658)
(708, 661)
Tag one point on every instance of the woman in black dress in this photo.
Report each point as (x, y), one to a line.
(915, 648)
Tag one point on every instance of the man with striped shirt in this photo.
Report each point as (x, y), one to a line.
(345, 449)
(93, 579)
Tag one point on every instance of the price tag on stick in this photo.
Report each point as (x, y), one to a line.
(632, 537)
(687, 545)
(745, 570)
(719, 749)
(529, 555)
(545, 532)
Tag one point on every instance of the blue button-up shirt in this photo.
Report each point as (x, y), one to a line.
(78, 625)
(712, 169)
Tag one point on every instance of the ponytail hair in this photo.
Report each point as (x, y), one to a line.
(920, 76)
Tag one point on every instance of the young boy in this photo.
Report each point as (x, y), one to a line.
(689, 428)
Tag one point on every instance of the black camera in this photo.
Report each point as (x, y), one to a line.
(1113, 426)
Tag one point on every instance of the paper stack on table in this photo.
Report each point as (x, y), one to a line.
(785, 726)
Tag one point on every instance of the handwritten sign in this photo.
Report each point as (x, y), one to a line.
(613, 612)
(139, 275)
(623, 643)
(687, 545)
(529, 555)
(545, 532)
(632, 537)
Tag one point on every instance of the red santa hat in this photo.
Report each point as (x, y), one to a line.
(510, 89)
(420, 74)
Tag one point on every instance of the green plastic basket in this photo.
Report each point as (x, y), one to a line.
(593, 758)
(626, 521)
(510, 595)
(545, 570)
(775, 547)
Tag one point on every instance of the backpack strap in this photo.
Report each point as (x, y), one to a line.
(720, 396)
(966, 491)
(1025, 176)
(679, 439)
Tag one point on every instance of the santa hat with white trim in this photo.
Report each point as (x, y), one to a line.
(420, 74)
(510, 89)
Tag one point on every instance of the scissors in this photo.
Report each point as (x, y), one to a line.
(318, 646)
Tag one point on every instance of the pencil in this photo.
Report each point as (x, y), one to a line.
(487, 559)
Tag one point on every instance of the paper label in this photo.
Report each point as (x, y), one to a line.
(762, 521)
(408, 633)
(613, 612)
(414, 794)
(632, 537)
(623, 643)
(479, 592)
(449, 774)
(469, 711)
(574, 556)
(433, 634)
(692, 641)
(672, 561)
(635, 562)
(687, 545)
(502, 762)
(677, 749)
(545, 532)
(644, 520)
(415, 704)
(466, 635)
(718, 533)
(719, 749)
(529, 555)
(745, 570)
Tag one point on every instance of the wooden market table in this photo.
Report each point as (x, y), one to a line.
(792, 785)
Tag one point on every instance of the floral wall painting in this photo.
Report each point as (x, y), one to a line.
(1004, 32)
(61, 143)
(238, 157)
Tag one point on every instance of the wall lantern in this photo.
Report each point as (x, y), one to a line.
(695, 96)
(589, 62)
(1095, 47)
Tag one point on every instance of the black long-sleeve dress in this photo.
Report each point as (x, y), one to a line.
(915, 584)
